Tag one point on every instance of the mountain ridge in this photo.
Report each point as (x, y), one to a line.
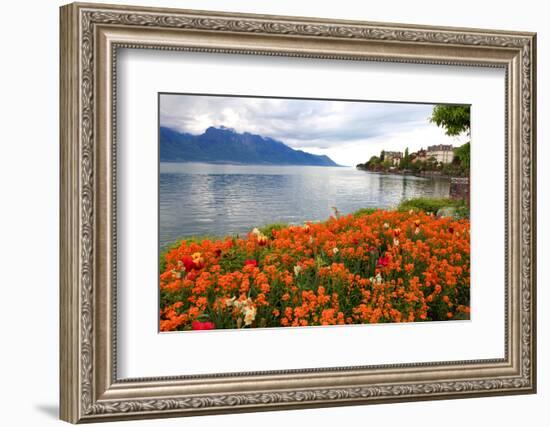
(225, 145)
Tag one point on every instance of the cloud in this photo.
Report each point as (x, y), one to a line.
(347, 131)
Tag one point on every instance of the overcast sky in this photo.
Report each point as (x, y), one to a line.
(347, 132)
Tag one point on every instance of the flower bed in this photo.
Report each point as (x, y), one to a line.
(384, 266)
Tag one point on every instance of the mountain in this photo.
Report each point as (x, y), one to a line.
(224, 145)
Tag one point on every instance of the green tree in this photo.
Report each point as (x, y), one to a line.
(386, 164)
(382, 155)
(373, 161)
(406, 160)
(455, 119)
(431, 163)
(463, 155)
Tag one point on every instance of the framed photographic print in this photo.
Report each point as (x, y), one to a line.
(266, 212)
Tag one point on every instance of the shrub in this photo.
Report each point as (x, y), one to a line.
(432, 205)
(364, 211)
(269, 228)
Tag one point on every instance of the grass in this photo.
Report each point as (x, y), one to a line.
(364, 211)
(432, 205)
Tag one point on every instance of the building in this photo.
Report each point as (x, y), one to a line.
(393, 156)
(419, 156)
(441, 153)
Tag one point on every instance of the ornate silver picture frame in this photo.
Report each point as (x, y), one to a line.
(91, 36)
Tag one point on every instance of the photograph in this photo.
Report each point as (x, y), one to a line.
(267, 211)
(278, 212)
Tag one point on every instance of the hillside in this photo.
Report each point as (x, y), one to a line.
(224, 145)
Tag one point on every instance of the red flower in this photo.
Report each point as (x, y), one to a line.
(262, 240)
(188, 262)
(355, 241)
(202, 326)
(192, 263)
(451, 230)
(218, 252)
(383, 261)
(251, 262)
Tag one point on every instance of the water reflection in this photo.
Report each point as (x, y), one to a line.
(218, 200)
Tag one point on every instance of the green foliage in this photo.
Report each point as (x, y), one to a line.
(432, 205)
(372, 164)
(463, 210)
(429, 165)
(364, 211)
(269, 228)
(463, 155)
(374, 160)
(406, 160)
(232, 259)
(455, 119)
(452, 169)
(162, 255)
(386, 164)
(417, 166)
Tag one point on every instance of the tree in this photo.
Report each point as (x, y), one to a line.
(373, 161)
(463, 155)
(455, 119)
(406, 161)
(386, 164)
(382, 155)
(431, 163)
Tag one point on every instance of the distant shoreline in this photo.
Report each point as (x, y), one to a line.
(222, 162)
(427, 174)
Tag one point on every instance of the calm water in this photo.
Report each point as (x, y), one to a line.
(197, 198)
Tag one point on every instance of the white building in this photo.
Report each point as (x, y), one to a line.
(441, 153)
(394, 157)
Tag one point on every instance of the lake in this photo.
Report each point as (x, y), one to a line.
(199, 198)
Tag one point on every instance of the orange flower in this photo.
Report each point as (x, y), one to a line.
(292, 279)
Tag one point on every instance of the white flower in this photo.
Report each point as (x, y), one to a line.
(242, 305)
(386, 225)
(395, 242)
(411, 212)
(297, 269)
(417, 230)
(256, 232)
(378, 278)
(335, 250)
(229, 302)
(249, 315)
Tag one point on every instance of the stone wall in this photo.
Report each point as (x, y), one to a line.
(460, 189)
